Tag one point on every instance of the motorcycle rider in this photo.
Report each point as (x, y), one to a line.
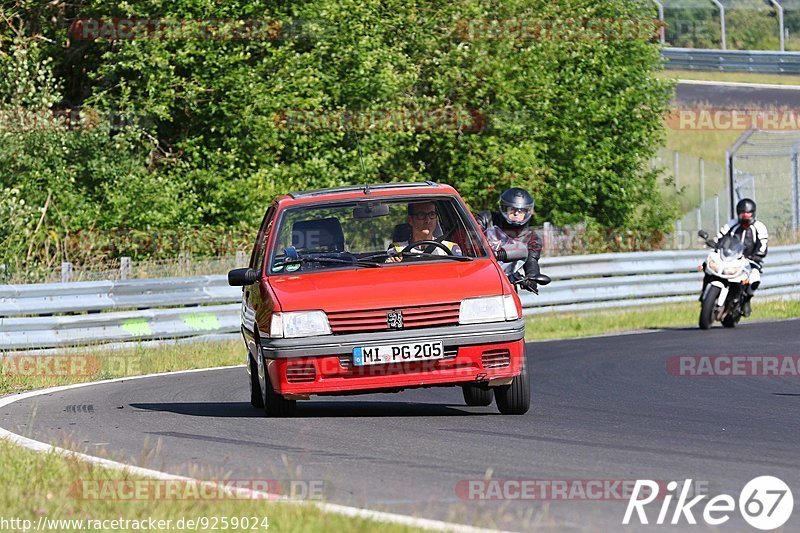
(508, 229)
(754, 237)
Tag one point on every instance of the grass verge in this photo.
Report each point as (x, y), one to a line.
(51, 487)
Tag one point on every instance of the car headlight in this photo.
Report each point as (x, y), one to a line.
(487, 309)
(299, 324)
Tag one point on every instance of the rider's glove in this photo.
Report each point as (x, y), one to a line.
(529, 285)
(501, 255)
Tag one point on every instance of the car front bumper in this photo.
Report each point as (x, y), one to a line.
(476, 353)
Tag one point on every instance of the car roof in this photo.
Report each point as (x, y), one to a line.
(352, 192)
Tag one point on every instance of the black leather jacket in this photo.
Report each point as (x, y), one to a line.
(519, 234)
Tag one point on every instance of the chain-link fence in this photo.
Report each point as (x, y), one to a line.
(699, 187)
(764, 167)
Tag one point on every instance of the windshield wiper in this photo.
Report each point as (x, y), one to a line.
(332, 260)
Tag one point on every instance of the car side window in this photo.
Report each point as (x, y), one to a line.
(257, 257)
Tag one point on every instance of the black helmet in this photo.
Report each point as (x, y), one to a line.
(746, 211)
(516, 199)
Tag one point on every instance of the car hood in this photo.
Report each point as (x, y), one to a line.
(390, 286)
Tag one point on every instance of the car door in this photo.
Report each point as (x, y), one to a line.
(253, 297)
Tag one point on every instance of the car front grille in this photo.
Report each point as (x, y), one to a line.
(343, 322)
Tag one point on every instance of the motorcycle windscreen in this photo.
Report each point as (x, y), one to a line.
(731, 248)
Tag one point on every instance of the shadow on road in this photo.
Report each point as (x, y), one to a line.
(324, 409)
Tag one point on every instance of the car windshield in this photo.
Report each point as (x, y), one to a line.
(374, 233)
(730, 248)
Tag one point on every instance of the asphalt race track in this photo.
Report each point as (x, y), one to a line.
(604, 409)
(725, 97)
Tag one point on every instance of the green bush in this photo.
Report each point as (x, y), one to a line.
(205, 132)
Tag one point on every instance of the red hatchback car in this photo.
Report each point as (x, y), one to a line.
(378, 289)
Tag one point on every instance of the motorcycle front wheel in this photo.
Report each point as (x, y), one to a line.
(707, 307)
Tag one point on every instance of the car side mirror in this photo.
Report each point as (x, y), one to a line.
(541, 279)
(240, 277)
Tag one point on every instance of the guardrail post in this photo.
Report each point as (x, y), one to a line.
(241, 259)
(124, 267)
(547, 229)
(66, 272)
(183, 263)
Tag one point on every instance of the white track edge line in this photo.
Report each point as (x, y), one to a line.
(353, 512)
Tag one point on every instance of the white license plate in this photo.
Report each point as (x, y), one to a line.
(397, 353)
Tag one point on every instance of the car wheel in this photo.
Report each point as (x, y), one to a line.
(475, 396)
(515, 399)
(256, 399)
(275, 405)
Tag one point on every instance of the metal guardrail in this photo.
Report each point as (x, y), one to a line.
(640, 278)
(139, 310)
(767, 62)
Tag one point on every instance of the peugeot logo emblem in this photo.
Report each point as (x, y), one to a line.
(395, 319)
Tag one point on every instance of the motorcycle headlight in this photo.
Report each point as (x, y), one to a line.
(713, 265)
(487, 309)
(299, 324)
(732, 271)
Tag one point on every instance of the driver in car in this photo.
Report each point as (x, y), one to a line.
(423, 219)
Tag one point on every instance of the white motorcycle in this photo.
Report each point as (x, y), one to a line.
(727, 273)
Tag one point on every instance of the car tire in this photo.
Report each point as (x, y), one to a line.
(275, 405)
(475, 396)
(515, 399)
(256, 399)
